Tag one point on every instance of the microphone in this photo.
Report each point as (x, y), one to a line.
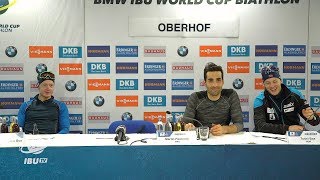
(121, 134)
(192, 119)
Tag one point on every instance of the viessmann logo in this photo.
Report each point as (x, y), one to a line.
(98, 84)
(126, 101)
(154, 116)
(238, 67)
(210, 51)
(40, 51)
(70, 69)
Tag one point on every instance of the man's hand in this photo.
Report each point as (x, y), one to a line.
(217, 130)
(189, 126)
(308, 113)
(295, 128)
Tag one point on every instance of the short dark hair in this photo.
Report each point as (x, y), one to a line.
(210, 67)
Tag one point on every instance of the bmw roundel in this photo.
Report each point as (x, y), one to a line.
(237, 83)
(71, 85)
(98, 101)
(41, 68)
(11, 51)
(126, 116)
(182, 51)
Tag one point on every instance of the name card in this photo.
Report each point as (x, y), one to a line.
(303, 137)
(176, 136)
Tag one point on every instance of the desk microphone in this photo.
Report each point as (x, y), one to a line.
(192, 119)
(121, 134)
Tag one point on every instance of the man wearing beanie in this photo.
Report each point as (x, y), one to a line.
(277, 108)
(44, 114)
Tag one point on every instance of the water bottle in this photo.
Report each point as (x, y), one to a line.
(160, 124)
(35, 129)
(4, 127)
(168, 126)
(14, 127)
(177, 126)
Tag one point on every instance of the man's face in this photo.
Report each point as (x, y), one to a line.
(273, 86)
(46, 89)
(214, 83)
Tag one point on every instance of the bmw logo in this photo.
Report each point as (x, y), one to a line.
(182, 51)
(41, 68)
(237, 83)
(71, 85)
(11, 51)
(98, 101)
(126, 116)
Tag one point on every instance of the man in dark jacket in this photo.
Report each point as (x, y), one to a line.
(278, 108)
(44, 114)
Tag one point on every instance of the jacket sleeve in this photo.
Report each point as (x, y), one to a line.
(22, 114)
(260, 119)
(236, 111)
(64, 123)
(303, 104)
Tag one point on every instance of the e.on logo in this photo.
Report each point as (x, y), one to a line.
(70, 69)
(258, 84)
(40, 51)
(98, 84)
(126, 101)
(238, 67)
(154, 116)
(210, 51)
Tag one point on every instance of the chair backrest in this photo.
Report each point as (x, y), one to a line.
(133, 126)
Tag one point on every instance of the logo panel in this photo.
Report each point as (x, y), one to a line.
(238, 67)
(258, 84)
(210, 51)
(315, 85)
(126, 101)
(11, 51)
(98, 68)
(155, 101)
(126, 51)
(179, 100)
(127, 68)
(126, 84)
(156, 68)
(98, 51)
(40, 51)
(75, 119)
(182, 84)
(244, 100)
(154, 116)
(245, 116)
(70, 69)
(98, 117)
(315, 51)
(154, 51)
(70, 52)
(98, 84)
(186, 67)
(295, 83)
(294, 50)
(11, 69)
(11, 103)
(315, 68)
(266, 50)
(98, 131)
(72, 102)
(294, 67)
(236, 51)
(154, 84)
(260, 65)
(315, 101)
(11, 86)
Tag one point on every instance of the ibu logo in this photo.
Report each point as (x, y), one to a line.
(260, 65)
(315, 101)
(295, 83)
(238, 50)
(98, 68)
(154, 100)
(70, 52)
(35, 161)
(127, 84)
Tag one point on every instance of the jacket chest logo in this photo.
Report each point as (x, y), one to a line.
(288, 107)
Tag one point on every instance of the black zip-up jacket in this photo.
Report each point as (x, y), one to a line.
(274, 114)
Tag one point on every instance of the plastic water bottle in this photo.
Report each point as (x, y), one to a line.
(35, 129)
(168, 126)
(160, 124)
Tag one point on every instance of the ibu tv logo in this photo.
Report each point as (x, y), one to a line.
(236, 51)
(98, 68)
(266, 50)
(315, 101)
(127, 84)
(260, 65)
(98, 51)
(154, 100)
(70, 52)
(126, 51)
(155, 68)
(295, 83)
(294, 50)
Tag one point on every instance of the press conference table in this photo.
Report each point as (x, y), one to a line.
(97, 156)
